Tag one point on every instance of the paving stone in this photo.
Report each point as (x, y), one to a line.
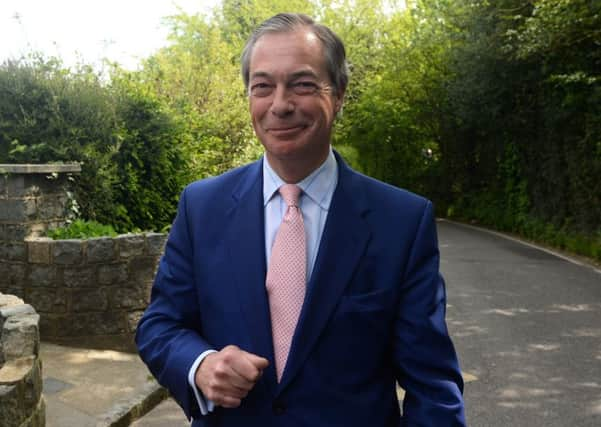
(54, 385)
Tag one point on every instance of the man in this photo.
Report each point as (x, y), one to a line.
(294, 291)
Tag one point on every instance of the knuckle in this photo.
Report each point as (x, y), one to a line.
(220, 369)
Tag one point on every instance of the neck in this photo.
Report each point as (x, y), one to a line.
(294, 170)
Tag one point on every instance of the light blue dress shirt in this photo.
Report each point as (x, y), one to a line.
(318, 189)
(316, 197)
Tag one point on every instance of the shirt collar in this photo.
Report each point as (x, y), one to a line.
(319, 185)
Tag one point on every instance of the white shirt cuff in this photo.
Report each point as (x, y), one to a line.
(204, 404)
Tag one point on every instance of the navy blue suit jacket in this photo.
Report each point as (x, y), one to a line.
(373, 314)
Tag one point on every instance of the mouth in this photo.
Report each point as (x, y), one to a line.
(284, 131)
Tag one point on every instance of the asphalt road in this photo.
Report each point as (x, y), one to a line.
(527, 327)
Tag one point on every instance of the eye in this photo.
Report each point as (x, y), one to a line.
(305, 87)
(261, 89)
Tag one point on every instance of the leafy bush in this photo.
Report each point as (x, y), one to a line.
(80, 229)
(128, 142)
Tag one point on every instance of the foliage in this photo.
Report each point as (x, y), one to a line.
(50, 114)
(491, 109)
(128, 144)
(80, 229)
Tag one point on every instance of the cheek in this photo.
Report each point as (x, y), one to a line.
(258, 110)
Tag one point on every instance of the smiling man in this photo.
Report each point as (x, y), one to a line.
(294, 291)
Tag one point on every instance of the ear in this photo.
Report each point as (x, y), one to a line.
(338, 101)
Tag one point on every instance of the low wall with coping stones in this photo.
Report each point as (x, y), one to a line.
(89, 291)
(86, 291)
(21, 401)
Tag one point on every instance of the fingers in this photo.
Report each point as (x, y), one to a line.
(226, 377)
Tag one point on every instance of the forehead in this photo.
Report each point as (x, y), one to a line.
(287, 52)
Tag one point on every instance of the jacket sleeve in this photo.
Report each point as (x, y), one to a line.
(425, 359)
(169, 334)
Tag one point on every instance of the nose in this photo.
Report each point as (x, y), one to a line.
(283, 103)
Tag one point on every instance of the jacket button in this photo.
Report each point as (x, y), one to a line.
(279, 408)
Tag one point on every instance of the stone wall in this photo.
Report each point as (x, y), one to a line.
(32, 199)
(86, 291)
(21, 402)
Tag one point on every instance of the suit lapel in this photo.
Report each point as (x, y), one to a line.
(247, 249)
(343, 242)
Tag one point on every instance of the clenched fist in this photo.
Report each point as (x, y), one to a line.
(227, 376)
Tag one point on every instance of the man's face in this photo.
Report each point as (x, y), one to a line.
(292, 102)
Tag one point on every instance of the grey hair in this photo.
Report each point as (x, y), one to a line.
(334, 52)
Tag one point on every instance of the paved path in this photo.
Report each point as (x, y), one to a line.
(94, 388)
(527, 325)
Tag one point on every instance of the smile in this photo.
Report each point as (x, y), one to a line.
(284, 131)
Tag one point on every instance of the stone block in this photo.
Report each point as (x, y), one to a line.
(16, 370)
(90, 324)
(16, 187)
(38, 229)
(130, 298)
(85, 300)
(42, 275)
(30, 185)
(12, 251)
(12, 290)
(68, 251)
(16, 310)
(142, 270)
(38, 251)
(12, 410)
(133, 319)
(3, 185)
(80, 277)
(17, 209)
(20, 336)
(130, 245)
(38, 416)
(52, 206)
(22, 401)
(155, 243)
(100, 250)
(50, 326)
(112, 274)
(15, 232)
(12, 274)
(47, 300)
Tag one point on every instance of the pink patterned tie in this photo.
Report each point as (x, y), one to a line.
(286, 277)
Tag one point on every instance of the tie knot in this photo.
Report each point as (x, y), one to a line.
(290, 193)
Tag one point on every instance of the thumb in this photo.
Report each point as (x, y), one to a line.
(258, 361)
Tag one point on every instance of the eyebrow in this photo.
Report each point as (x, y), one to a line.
(293, 76)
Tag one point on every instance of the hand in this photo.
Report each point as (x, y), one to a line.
(227, 376)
